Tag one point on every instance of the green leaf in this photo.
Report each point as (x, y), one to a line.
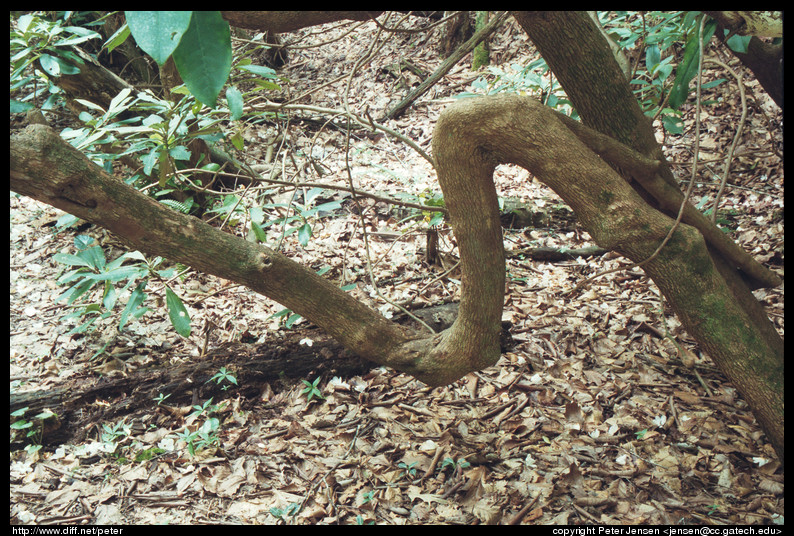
(265, 84)
(94, 256)
(19, 106)
(652, 57)
(83, 241)
(158, 33)
(437, 219)
(24, 22)
(50, 65)
(257, 214)
(117, 38)
(260, 70)
(21, 425)
(179, 316)
(235, 101)
(238, 141)
(304, 234)
(81, 35)
(311, 389)
(133, 305)
(20, 412)
(76, 291)
(738, 43)
(204, 56)
(176, 205)
(688, 67)
(259, 233)
(82, 328)
(713, 83)
(122, 272)
(180, 152)
(294, 317)
(32, 449)
(109, 297)
(71, 260)
(209, 426)
(119, 103)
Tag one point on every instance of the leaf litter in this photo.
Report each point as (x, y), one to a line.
(593, 416)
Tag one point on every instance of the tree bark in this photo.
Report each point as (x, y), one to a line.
(509, 129)
(471, 138)
(764, 59)
(715, 312)
(580, 57)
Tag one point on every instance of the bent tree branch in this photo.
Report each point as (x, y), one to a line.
(471, 138)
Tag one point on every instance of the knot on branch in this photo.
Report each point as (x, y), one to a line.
(265, 262)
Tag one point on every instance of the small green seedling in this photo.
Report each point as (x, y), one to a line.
(205, 436)
(33, 432)
(290, 510)
(408, 469)
(160, 398)
(456, 465)
(311, 390)
(224, 375)
(207, 407)
(360, 521)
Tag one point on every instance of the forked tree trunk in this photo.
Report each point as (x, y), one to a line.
(581, 60)
(471, 138)
(509, 129)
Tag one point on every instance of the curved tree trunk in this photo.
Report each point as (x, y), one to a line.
(585, 67)
(581, 59)
(511, 129)
(471, 138)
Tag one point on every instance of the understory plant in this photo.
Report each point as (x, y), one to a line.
(93, 294)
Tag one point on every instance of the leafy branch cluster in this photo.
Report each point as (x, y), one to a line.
(152, 135)
(653, 38)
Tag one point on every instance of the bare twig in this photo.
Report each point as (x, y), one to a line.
(450, 62)
(277, 107)
(736, 137)
(516, 519)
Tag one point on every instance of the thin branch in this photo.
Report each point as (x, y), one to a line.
(450, 62)
(354, 193)
(689, 189)
(277, 107)
(736, 137)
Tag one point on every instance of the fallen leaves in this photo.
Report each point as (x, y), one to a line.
(595, 416)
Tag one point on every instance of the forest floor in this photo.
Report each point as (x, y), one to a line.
(604, 410)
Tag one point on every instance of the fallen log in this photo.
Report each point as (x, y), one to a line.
(87, 402)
